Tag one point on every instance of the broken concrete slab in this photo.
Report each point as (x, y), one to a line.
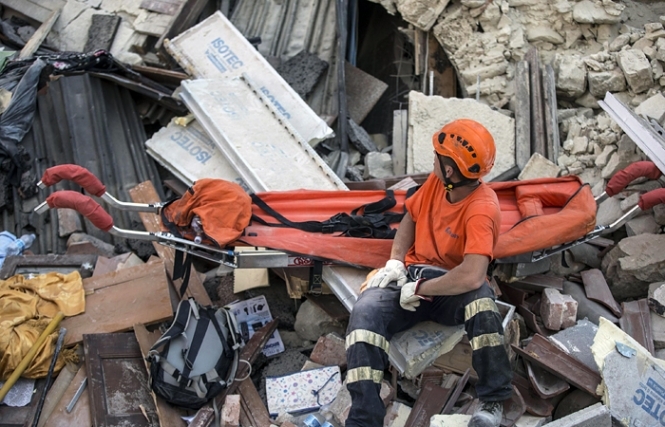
(302, 72)
(101, 32)
(396, 415)
(378, 165)
(428, 114)
(633, 264)
(363, 91)
(630, 389)
(539, 166)
(313, 322)
(360, 138)
(457, 420)
(637, 69)
(652, 108)
(597, 415)
(422, 14)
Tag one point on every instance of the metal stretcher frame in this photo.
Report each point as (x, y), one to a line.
(272, 258)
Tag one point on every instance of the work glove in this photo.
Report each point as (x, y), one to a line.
(409, 298)
(394, 271)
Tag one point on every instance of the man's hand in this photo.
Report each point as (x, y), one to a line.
(394, 271)
(408, 298)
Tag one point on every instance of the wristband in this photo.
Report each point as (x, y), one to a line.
(423, 297)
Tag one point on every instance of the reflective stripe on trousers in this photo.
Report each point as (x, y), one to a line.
(377, 316)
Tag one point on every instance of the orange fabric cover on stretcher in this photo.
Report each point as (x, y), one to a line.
(535, 214)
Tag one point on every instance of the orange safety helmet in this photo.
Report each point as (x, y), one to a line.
(469, 144)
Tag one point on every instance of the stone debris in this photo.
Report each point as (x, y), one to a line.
(592, 46)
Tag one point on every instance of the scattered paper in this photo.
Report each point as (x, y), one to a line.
(252, 314)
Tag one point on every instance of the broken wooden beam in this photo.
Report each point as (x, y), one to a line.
(38, 37)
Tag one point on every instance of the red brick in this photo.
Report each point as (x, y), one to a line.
(330, 350)
(557, 311)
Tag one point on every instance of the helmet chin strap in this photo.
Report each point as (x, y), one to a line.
(448, 185)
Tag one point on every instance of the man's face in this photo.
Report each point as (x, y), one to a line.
(439, 168)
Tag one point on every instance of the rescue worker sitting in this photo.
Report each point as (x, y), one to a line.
(437, 271)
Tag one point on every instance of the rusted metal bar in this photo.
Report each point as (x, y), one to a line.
(538, 282)
(636, 322)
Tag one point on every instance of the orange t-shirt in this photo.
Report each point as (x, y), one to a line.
(445, 231)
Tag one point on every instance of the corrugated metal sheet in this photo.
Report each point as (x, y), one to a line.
(92, 123)
(286, 28)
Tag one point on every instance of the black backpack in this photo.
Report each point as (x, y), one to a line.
(197, 357)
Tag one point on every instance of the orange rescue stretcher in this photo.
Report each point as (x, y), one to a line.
(539, 217)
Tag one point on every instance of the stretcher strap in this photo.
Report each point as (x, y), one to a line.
(373, 222)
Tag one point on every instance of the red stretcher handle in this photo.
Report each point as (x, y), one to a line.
(621, 179)
(82, 204)
(651, 199)
(76, 173)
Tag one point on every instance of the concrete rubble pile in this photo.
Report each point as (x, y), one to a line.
(584, 326)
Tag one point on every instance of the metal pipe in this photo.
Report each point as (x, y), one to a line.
(49, 375)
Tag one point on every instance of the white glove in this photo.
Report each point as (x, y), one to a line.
(394, 271)
(408, 298)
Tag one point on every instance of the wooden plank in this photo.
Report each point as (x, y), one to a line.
(39, 10)
(598, 290)
(445, 78)
(94, 283)
(400, 126)
(118, 308)
(167, 414)
(551, 111)
(458, 359)
(38, 37)
(117, 381)
(636, 322)
(431, 401)
(80, 415)
(57, 390)
(146, 193)
(251, 401)
(537, 110)
(522, 115)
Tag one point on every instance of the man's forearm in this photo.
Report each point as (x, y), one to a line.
(468, 276)
(404, 238)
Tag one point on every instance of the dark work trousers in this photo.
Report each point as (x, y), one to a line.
(377, 316)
